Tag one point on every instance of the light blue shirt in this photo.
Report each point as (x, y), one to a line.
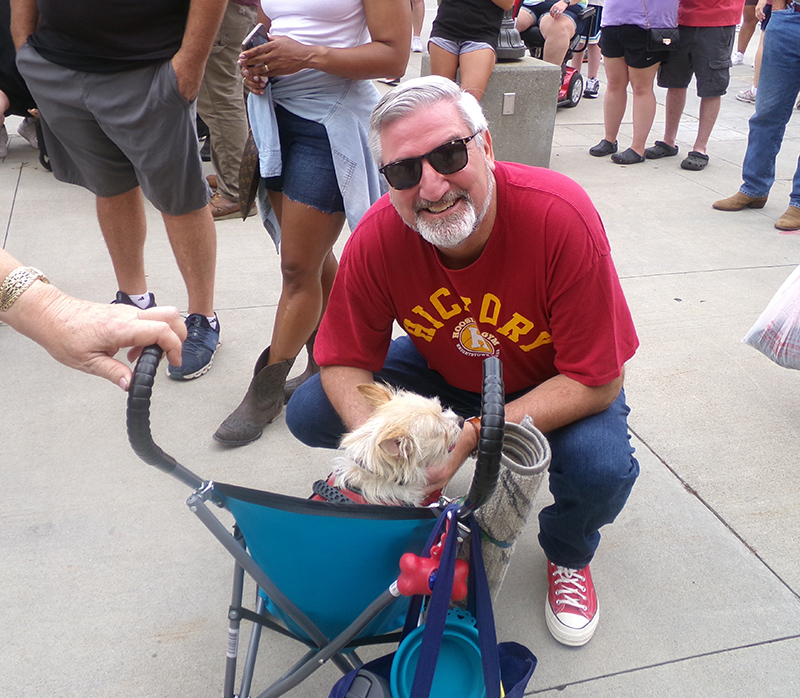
(343, 106)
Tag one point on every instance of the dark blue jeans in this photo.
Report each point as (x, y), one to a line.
(591, 473)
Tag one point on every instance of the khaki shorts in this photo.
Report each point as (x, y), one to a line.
(112, 132)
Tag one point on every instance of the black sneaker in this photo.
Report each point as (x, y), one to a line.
(202, 342)
(125, 299)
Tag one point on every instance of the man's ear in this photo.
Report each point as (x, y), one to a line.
(488, 149)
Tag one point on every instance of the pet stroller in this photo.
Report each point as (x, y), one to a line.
(285, 545)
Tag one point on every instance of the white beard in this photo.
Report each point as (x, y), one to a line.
(451, 231)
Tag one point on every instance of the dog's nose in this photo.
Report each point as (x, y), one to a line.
(461, 422)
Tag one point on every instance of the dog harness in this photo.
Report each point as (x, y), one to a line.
(326, 491)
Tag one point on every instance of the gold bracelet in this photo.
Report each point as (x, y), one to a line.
(16, 283)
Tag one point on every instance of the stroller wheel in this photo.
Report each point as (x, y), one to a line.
(574, 91)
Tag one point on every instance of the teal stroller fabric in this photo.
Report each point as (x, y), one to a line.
(355, 549)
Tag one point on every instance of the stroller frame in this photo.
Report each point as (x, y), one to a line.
(321, 648)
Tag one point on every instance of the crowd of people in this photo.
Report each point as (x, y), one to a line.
(413, 174)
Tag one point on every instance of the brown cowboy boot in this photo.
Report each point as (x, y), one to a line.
(310, 369)
(739, 201)
(262, 403)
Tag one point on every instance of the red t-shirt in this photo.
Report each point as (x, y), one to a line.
(543, 296)
(699, 13)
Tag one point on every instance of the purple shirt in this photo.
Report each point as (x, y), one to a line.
(661, 13)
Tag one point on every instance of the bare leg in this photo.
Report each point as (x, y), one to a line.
(417, 16)
(593, 64)
(4, 105)
(577, 60)
(748, 27)
(476, 69)
(194, 243)
(124, 227)
(644, 104)
(557, 32)
(757, 61)
(595, 56)
(308, 267)
(525, 20)
(443, 62)
(709, 110)
(616, 98)
(676, 101)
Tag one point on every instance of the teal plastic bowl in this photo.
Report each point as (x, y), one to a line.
(458, 669)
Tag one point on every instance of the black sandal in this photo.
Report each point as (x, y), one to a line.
(660, 150)
(695, 161)
(603, 148)
(629, 157)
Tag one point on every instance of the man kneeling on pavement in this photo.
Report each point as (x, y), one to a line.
(475, 258)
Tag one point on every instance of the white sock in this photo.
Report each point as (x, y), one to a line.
(142, 301)
(213, 322)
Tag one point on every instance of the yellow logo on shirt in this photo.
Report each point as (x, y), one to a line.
(471, 340)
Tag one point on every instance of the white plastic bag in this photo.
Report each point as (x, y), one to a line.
(776, 334)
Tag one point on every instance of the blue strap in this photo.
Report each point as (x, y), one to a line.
(480, 602)
(482, 599)
(415, 605)
(437, 614)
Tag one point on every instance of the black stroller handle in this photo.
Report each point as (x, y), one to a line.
(138, 419)
(490, 444)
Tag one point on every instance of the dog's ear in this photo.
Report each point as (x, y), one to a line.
(398, 447)
(377, 394)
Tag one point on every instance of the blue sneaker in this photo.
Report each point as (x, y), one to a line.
(202, 342)
(125, 299)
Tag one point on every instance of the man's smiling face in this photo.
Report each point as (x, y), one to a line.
(445, 209)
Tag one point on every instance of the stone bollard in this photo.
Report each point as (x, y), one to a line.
(520, 105)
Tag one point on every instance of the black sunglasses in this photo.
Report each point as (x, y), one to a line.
(446, 159)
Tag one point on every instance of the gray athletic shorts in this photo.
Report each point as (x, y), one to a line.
(112, 132)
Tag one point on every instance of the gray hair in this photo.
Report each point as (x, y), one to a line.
(413, 94)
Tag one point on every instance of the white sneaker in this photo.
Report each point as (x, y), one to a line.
(27, 129)
(737, 58)
(416, 44)
(748, 95)
(3, 141)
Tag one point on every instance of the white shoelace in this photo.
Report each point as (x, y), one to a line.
(570, 587)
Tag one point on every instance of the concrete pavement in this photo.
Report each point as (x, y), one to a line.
(110, 587)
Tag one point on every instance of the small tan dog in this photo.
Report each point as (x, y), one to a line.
(386, 459)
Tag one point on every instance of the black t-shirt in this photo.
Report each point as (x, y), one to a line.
(101, 36)
(468, 20)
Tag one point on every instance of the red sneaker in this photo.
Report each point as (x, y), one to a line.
(571, 610)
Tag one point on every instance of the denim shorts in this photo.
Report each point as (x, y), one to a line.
(704, 52)
(308, 175)
(542, 8)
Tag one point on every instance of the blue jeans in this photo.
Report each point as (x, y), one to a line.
(592, 469)
(778, 85)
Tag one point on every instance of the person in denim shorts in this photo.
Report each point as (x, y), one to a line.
(707, 33)
(311, 94)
